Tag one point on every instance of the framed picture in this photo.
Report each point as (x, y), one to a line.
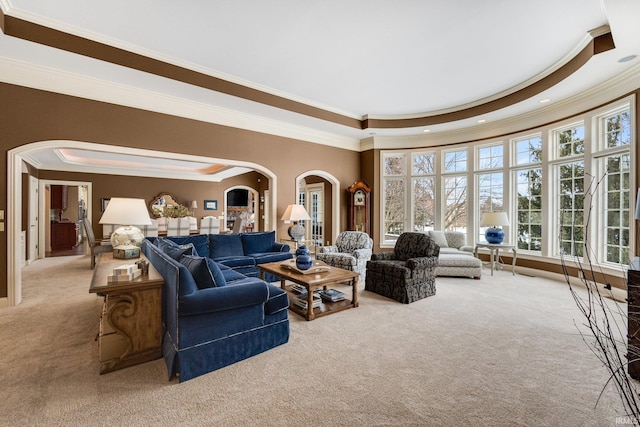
(105, 202)
(211, 205)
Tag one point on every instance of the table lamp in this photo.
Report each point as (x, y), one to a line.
(127, 239)
(295, 213)
(493, 220)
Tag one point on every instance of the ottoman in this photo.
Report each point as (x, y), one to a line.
(459, 265)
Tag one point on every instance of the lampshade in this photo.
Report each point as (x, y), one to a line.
(128, 213)
(194, 204)
(638, 205)
(295, 213)
(494, 219)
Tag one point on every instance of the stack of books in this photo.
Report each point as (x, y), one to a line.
(332, 295)
(124, 273)
(301, 301)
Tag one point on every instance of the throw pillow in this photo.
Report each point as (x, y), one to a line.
(176, 251)
(204, 271)
(438, 237)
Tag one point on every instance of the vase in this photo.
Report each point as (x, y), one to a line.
(494, 235)
(303, 260)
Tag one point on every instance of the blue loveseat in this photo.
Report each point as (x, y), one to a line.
(213, 315)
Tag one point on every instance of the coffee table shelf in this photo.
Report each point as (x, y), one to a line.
(311, 282)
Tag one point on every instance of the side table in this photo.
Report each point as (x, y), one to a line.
(131, 321)
(494, 250)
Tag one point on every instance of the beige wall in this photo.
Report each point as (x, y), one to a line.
(29, 115)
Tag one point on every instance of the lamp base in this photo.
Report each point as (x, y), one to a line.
(126, 252)
(296, 231)
(127, 235)
(494, 235)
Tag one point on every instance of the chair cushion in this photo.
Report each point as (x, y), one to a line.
(204, 271)
(439, 238)
(414, 245)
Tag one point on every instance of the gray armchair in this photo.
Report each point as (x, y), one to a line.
(408, 273)
(351, 252)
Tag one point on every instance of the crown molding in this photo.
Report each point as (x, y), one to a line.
(624, 84)
(50, 79)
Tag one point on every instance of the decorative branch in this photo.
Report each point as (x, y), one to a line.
(605, 321)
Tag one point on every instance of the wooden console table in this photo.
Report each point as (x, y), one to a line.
(131, 321)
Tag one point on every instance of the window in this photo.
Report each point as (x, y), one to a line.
(489, 186)
(548, 183)
(617, 214)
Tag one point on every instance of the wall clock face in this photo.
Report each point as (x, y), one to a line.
(358, 198)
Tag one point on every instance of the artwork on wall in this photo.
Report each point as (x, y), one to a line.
(211, 205)
(105, 202)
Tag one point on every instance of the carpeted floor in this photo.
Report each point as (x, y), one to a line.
(501, 351)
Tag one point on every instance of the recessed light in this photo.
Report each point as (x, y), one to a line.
(426, 130)
(481, 121)
(628, 58)
(544, 100)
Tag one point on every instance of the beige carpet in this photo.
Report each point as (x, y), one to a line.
(501, 351)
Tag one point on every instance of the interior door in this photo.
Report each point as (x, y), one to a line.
(32, 235)
(314, 204)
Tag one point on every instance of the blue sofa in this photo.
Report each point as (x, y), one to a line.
(213, 315)
(242, 252)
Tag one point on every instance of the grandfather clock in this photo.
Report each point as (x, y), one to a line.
(360, 207)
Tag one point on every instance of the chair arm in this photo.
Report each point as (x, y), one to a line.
(422, 262)
(362, 253)
(383, 256)
(280, 247)
(328, 249)
(229, 297)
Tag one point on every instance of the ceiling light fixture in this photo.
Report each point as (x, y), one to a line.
(628, 58)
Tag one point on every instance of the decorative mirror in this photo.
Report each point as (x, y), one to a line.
(161, 201)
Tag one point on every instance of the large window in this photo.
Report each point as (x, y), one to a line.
(528, 193)
(548, 181)
(489, 185)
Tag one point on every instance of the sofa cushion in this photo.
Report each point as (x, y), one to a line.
(236, 261)
(260, 242)
(200, 241)
(204, 271)
(271, 257)
(225, 245)
(439, 238)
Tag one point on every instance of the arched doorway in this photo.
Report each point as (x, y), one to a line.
(15, 159)
(241, 203)
(331, 193)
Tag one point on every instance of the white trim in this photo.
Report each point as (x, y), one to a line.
(14, 196)
(50, 79)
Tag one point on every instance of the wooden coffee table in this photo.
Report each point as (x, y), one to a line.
(313, 281)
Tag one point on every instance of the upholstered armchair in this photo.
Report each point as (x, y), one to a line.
(351, 252)
(408, 273)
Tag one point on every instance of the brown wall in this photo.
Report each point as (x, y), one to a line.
(29, 115)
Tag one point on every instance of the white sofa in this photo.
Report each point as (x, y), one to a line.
(456, 257)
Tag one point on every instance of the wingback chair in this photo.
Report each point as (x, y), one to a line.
(408, 273)
(351, 252)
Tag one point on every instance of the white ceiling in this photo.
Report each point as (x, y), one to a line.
(371, 58)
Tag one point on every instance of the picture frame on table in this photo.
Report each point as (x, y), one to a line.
(105, 203)
(211, 205)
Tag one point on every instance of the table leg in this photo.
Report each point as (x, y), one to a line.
(492, 258)
(282, 285)
(354, 292)
(513, 261)
(310, 315)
